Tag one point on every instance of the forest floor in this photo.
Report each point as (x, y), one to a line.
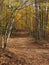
(25, 51)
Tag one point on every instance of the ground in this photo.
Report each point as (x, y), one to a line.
(25, 51)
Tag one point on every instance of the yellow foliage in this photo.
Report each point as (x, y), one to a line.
(18, 16)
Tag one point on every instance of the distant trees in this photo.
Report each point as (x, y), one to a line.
(41, 19)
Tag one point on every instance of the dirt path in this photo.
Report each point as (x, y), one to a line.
(27, 42)
(25, 51)
(21, 42)
(28, 51)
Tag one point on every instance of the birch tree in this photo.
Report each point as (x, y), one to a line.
(10, 25)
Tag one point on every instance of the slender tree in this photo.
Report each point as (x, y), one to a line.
(37, 9)
(10, 25)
